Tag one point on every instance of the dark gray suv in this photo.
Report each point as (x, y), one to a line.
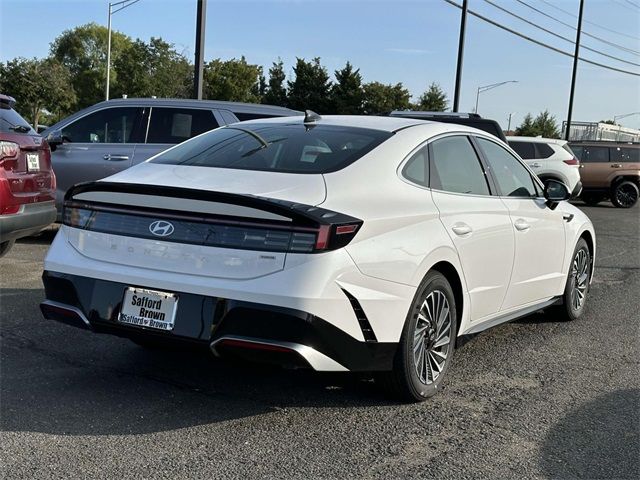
(113, 135)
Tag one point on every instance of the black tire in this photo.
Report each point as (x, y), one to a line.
(577, 275)
(625, 194)
(592, 199)
(5, 247)
(404, 381)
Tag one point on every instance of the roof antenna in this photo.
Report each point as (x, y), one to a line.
(310, 116)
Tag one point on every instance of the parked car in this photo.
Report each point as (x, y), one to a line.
(339, 243)
(113, 135)
(469, 119)
(550, 158)
(27, 182)
(610, 170)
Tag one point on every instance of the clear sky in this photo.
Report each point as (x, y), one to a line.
(408, 41)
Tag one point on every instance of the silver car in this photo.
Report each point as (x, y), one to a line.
(113, 135)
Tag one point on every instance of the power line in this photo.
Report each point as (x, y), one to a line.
(621, 47)
(610, 30)
(550, 32)
(630, 3)
(538, 42)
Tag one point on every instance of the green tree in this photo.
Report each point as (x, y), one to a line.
(154, 68)
(526, 128)
(275, 92)
(381, 98)
(433, 99)
(83, 50)
(347, 94)
(234, 80)
(544, 125)
(37, 85)
(608, 122)
(311, 87)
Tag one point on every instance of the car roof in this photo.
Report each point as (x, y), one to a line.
(188, 102)
(387, 124)
(557, 141)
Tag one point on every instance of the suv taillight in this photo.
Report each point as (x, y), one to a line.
(8, 150)
(573, 161)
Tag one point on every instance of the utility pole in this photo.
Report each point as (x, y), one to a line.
(201, 17)
(575, 71)
(463, 27)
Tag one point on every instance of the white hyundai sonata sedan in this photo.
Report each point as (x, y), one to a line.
(340, 243)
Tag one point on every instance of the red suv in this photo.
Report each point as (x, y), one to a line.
(27, 182)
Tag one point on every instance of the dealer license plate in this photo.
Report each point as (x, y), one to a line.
(148, 308)
(33, 162)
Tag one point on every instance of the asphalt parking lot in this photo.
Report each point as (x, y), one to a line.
(536, 398)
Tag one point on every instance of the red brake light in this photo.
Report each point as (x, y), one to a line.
(573, 161)
(8, 150)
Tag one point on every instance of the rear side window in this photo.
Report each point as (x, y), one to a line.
(455, 167)
(577, 150)
(595, 154)
(416, 169)
(175, 125)
(543, 150)
(12, 122)
(110, 125)
(278, 147)
(526, 150)
(251, 116)
(625, 154)
(513, 179)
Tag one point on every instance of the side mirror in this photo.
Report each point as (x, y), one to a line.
(555, 192)
(54, 139)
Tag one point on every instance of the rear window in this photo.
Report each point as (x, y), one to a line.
(291, 148)
(543, 150)
(526, 150)
(12, 122)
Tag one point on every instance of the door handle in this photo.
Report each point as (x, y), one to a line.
(521, 225)
(115, 158)
(461, 229)
(616, 165)
(536, 165)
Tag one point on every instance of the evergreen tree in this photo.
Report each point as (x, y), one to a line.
(275, 91)
(347, 94)
(433, 99)
(380, 98)
(311, 87)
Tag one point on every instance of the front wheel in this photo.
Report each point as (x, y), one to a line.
(577, 287)
(624, 194)
(427, 343)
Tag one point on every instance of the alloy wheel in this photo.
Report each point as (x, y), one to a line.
(432, 337)
(580, 275)
(626, 195)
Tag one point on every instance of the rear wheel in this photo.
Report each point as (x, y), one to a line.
(5, 247)
(577, 287)
(591, 198)
(624, 194)
(427, 343)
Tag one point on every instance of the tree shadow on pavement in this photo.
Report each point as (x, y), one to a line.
(598, 440)
(62, 380)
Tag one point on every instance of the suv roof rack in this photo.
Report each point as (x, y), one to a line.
(425, 113)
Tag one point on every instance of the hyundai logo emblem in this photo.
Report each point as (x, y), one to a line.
(161, 228)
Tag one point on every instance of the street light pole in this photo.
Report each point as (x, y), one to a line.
(122, 5)
(490, 87)
(463, 27)
(509, 126)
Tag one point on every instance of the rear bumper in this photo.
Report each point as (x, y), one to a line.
(227, 327)
(31, 219)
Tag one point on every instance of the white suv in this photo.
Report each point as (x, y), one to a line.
(340, 243)
(550, 158)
